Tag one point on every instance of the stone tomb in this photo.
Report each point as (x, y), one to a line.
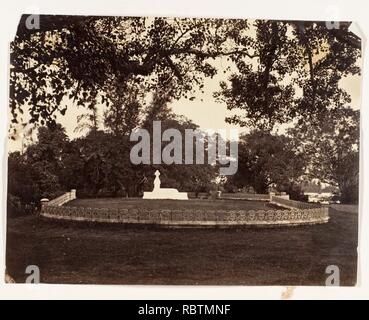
(164, 193)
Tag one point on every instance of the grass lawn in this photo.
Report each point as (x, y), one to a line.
(114, 254)
(172, 204)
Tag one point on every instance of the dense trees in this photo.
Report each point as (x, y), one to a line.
(285, 69)
(278, 72)
(266, 160)
(331, 145)
(38, 172)
(97, 164)
(294, 72)
(87, 59)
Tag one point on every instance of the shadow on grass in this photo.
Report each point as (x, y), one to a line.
(72, 252)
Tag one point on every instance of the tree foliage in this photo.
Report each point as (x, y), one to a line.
(83, 57)
(266, 160)
(284, 68)
(294, 70)
(331, 145)
(278, 72)
(98, 164)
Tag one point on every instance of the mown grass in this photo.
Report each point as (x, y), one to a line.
(115, 254)
(172, 204)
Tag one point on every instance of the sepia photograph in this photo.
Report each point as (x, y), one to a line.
(149, 150)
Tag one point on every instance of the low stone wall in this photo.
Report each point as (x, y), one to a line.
(285, 202)
(59, 201)
(299, 214)
(187, 217)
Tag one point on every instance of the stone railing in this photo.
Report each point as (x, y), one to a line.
(285, 202)
(245, 196)
(299, 214)
(187, 217)
(59, 201)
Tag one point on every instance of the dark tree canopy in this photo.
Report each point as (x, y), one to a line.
(83, 57)
(266, 160)
(284, 68)
(277, 71)
(331, 145)
(295, 71)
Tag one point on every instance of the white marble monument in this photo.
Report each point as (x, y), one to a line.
(164, 193)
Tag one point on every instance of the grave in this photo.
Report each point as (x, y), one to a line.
(164, 193)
